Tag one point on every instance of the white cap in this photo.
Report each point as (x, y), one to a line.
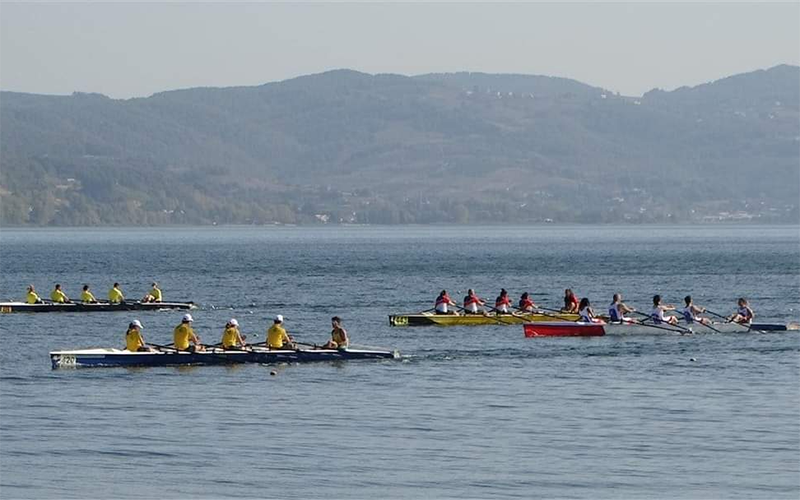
(187, 318)
(233, 322)
(279, 318)
(137, 323)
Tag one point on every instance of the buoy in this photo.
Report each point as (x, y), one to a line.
(273, 372)
(692, 359)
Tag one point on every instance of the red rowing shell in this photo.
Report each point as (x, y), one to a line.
(564, 329)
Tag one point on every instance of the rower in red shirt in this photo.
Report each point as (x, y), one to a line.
(526, 304)
(442, 303)
(472, 301)
(502, 304)
(570, 302)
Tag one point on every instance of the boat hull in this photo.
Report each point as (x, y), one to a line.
(116, 357)
(14, 307)
(430, 319)
(563, 329)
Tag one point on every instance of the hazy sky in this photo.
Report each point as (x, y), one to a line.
(125, 50)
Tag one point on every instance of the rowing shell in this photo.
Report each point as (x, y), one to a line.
(9, 307)
(431, 319)
(580, 329)
(118, 357)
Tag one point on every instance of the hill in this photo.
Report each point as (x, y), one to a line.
(344, 146)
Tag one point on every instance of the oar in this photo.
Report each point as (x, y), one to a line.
(748, 325)
(718, 315)
(486, 315)
(554, 310)
(670, 327)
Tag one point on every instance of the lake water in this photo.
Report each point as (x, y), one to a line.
(468, 412)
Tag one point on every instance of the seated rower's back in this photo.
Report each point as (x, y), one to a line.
(32, 297)
(471, 302)
(184, 336)
(277, 338)
(87, 296)
(115, 295)
(526, 304)
(133, 337)
(58, 296)
(339, 338)
(502, 304)
(231, 337)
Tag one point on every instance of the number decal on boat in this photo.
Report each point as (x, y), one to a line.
(5, 309)
(66, 360)
(399, 320)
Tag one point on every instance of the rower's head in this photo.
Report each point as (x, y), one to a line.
(503, 292)
(688, 299)
(568, 292)
(742, 301)
(136, 324)
(470, 292)
(116, 285)
(442, 293)
(278, 319)
(85, 288)
(155, 285)
(524, 295)
(616, 298)
(584, 303)
(187, 318)
(233, 322)
(336, 321)
(656, 300)
(30, 288)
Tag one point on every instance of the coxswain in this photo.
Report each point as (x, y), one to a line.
(691, 312)
(87, 296)
(32, 297)
(185, 338)
(657, 314)
(526, 304)
(115, 295)
(277, 336)
(58, 296)
(586, 313)
(231, 337)
(339, 339)
(472, 301)
(502, 304)
(154, 295)
(443, 302)
(133, 338)
(618, 309)
(744, 314)
(570, 302)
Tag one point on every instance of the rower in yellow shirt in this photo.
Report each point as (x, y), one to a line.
(154, 295)
(32, 297)
(59, 296)
(231, 337)
(277, 336)
(184, 337)
(87, 296)
(133, 338)
(115, 294)
(339, 338)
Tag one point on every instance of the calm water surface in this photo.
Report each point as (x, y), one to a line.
(469, 412)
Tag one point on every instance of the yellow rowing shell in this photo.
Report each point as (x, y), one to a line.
(430, 319)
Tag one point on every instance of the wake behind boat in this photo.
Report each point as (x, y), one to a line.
(12, 307)
(107, 357)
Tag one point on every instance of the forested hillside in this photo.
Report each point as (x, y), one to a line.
(344, 146)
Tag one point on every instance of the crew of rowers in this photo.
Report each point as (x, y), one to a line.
(617, 310)
(115, 295)
(185, 339)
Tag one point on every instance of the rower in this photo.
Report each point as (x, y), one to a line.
(744, 314)
(133, 338)
(526, 304)
(471, 302)
(277, 336)
(183, 335)
(115, 295)
(59, 296)
(154, 295)
(32, 297)
(617, 310)
(339, 339)
(87, 296)
(443, 301)
(586, 313)
(502, 304)
(691, 311)
(657, 314)
(570, 302)
(231, 337)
